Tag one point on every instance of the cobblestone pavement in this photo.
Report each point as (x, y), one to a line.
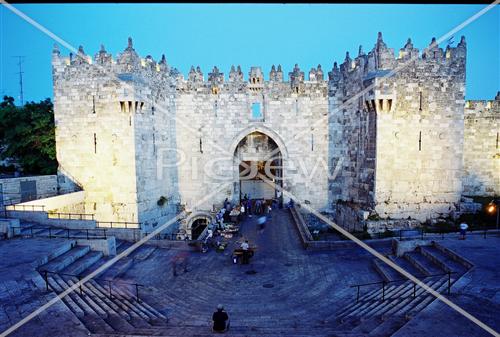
(283, 283)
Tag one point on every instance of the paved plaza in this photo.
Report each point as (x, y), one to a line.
(284, 291)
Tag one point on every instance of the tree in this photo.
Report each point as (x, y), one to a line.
(27, 134)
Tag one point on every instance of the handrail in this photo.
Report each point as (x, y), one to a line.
(358, 286)
(398, 280)
(24, 208)
(110, 282)
(101, 224)
(88, 233)
(78, 216)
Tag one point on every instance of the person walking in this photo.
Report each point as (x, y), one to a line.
(463, 230)
(220, 319)
(242, 211)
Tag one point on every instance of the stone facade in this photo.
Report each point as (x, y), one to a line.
(16, 190)
(482, 148)
(380, 135)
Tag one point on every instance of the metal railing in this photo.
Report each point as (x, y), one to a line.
(57, 233)
(70, 216)
(384, 283)
(118, 224)
(25, 208)
(110, 283)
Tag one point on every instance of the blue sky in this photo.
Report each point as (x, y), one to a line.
(249, 35)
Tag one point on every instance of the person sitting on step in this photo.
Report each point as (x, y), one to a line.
(220, 317)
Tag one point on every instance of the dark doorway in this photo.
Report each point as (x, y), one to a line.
(198, 227)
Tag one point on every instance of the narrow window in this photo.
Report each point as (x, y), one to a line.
(95, 143)
(312, 142)
(420, 102)
(256, 112)
(153, 110)
(498, 139)
(141, 106)
(389, 105)
(136, 106)
(129, 106)
(130, 120)
(154, 143)
(93, 104)
(122, 106)
(420, 141)
(201, 146)
(297, 90)
(215, 108)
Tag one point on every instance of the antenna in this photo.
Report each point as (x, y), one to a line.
(20, 60)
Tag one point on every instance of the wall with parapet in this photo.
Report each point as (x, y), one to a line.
(482, 148)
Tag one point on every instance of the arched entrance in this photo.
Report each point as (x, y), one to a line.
(197, 227)
(259, 160)
(197, 223)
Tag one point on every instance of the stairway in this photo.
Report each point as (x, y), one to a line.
(101, 309)
(385, 309)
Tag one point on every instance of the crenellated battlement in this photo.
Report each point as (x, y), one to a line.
(381, 59)
(483, 106)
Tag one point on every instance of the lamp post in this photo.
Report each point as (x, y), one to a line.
(494, 207)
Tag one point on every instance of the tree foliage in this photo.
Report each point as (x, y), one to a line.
(27, 135)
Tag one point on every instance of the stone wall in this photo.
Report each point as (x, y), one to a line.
(103, 106)
(482, 148)
(397, 125)
(10, 188)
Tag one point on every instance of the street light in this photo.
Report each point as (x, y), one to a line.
(492, 208)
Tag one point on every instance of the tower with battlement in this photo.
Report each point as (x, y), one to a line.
(379, 136)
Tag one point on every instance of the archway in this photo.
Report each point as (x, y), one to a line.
(259, 160)
(197, 223)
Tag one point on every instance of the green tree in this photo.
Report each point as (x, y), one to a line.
(27, 134)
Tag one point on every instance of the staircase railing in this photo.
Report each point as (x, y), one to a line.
(118, 224)
(384, 283)
(68, 233)
(109, 282)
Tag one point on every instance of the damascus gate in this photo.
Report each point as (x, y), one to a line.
(144, 141)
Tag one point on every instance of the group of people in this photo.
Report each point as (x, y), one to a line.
(256, 206)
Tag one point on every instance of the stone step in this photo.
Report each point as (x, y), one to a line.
(64, 260)
(426, 266)
(87, 315)
(142, 305)
(83, 263)
(407, 266)
(442, 288)
(454, 256)
(385, 271)
(132, 308)
(388, 327)
(118, 319)
(446, 261)
(367, 325)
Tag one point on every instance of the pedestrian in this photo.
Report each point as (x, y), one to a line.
(210, 234)
(463, 230)
(278, 195)
(262, 222)
(246, 254)
(242, 211)
(249, 207)
(220, 319)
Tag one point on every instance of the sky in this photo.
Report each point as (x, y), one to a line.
(241, 34)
